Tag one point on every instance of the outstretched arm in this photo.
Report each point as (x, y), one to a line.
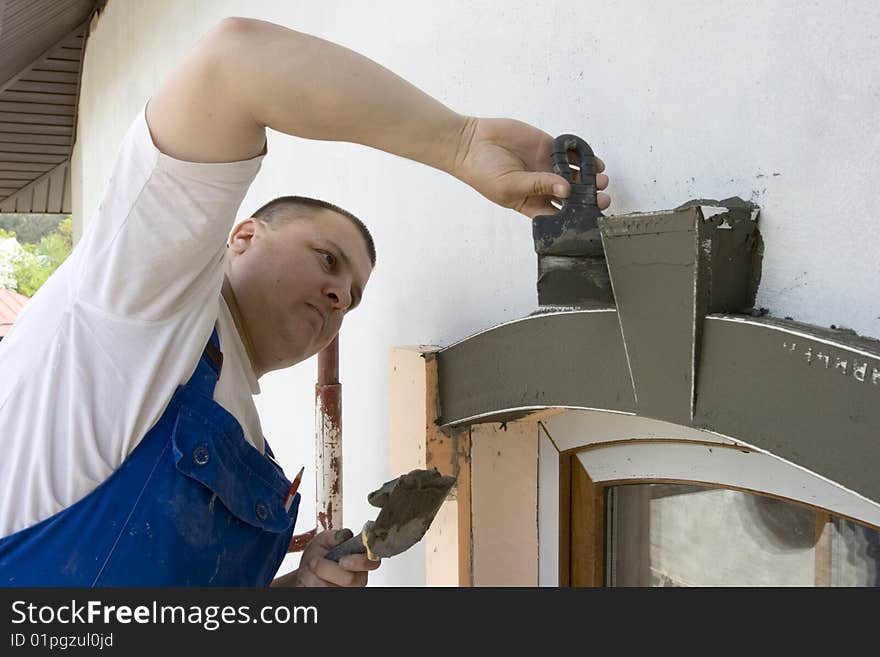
(246, 75)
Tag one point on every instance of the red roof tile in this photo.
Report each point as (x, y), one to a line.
(11, 304)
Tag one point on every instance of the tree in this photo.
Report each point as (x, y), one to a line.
(9, 249)
(36, 262)
(30, 228)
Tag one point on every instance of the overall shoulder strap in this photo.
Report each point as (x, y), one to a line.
(204, 379)
(213, 353)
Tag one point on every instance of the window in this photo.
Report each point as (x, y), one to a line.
(688, 535)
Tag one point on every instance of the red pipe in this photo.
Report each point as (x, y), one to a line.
(328, 438)
(328, 446)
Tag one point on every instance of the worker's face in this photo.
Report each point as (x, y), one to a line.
(295, 282)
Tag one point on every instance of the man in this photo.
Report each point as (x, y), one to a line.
(132, 451)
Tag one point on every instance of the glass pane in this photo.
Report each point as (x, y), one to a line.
(683, 535)
(855, 554)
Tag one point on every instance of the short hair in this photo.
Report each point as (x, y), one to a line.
(284, 209)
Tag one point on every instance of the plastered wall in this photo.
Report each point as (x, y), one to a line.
(777, 102)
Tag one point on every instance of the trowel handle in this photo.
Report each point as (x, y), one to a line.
(583, 193)
(354, 545)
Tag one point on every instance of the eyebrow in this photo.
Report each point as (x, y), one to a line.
(345, 259)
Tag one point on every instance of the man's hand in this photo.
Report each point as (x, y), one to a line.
(508, 162)
(315, 570)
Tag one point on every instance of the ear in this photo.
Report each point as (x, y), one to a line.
(242, 236)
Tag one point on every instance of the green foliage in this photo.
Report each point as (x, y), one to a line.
(30, 228)
(36, 262)
(65, 229)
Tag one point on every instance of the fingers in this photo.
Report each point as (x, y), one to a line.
(330, 538)
(541, 206)
(351, 571)
(359, 562)
(308, 575)
(537, 196)
(541, 183)
(558, 187)
(335, 537)
(601, 183)
(333, 573)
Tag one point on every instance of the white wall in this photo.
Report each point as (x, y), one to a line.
(777, 102)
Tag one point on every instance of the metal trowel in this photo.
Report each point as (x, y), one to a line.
(571, 259)
(408, 505)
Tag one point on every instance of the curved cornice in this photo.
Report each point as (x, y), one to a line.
(807, 394)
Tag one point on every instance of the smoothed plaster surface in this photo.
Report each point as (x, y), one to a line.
(778, 386)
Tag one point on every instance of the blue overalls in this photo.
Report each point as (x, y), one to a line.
(194, 504)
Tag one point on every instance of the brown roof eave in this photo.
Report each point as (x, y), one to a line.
(39, 100)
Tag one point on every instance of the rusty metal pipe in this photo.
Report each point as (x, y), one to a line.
(328, 446)
(328, 438)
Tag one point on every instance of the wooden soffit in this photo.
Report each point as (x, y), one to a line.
(41, 51)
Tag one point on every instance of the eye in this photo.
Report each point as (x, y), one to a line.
(328, 258)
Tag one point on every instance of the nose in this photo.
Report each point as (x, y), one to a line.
(339, 293)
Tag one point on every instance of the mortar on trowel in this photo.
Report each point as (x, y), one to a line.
(408, 505)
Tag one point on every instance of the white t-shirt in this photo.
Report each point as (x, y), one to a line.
(97, 353)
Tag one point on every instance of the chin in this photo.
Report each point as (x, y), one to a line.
(315, 350)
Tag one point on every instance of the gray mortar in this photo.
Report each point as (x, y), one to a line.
(408, 506)
(684, 336)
